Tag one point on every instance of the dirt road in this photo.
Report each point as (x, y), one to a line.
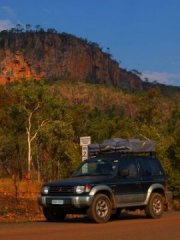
(127, 228)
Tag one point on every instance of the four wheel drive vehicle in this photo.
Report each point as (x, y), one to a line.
(116, 177)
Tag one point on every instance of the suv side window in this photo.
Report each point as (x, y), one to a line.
(129, 164)
(150, 167)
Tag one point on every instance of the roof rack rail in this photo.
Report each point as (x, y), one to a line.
(123, 146)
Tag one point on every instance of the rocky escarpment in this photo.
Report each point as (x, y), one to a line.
(52, 55)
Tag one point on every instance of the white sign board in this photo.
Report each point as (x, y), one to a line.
(84, 142)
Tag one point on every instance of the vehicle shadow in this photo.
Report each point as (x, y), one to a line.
(84, 218)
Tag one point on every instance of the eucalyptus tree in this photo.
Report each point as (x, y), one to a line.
(38, 119)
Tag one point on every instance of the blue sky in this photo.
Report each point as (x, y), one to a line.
(141, 34)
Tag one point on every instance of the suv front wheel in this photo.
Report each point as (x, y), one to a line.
(155, 207)
(100, 209)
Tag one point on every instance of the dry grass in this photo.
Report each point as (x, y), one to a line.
(18, 202)
(25, 188)
(176, 204)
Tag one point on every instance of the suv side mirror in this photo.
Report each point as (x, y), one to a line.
(123, 172)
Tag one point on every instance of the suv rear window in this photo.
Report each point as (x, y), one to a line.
(150, 167)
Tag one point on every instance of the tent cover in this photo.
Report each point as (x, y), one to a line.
(123, 145)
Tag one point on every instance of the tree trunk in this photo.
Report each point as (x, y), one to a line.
(29, 157)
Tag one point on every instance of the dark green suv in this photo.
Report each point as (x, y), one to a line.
(104, 185)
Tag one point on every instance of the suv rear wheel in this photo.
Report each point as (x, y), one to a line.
(155, 207)
(100, 209)
(53, 215)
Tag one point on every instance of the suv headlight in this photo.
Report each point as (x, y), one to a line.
(82, 189)
(45, 190)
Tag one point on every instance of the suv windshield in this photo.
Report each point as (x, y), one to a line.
(97, 167)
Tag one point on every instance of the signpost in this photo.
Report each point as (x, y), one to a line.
(84, 142)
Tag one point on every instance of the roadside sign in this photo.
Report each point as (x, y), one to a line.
(84, 152)
(84, 142)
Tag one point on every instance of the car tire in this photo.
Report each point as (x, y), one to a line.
(100, 209)
(155, 207)
(53, 215)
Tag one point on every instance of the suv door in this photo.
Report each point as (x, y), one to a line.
(129, 189)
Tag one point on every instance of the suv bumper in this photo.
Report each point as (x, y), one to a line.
(75, 201)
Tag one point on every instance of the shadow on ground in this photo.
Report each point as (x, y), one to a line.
(84, 218)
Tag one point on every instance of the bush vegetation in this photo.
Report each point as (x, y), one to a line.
(56, 115)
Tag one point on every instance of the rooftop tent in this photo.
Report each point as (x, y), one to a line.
(123, 145)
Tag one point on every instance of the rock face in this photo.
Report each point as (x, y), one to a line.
(52, 55)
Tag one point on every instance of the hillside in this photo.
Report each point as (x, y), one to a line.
(58, 114)
(53, 55)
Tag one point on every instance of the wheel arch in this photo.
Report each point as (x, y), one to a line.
(103, 189)
(155, 188)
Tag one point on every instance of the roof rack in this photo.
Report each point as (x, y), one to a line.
(123, 146)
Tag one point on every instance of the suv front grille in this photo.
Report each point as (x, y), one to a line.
(61, 190)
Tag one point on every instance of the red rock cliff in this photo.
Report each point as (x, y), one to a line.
(51, 55)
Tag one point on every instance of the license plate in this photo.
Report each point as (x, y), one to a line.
(57, 202)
